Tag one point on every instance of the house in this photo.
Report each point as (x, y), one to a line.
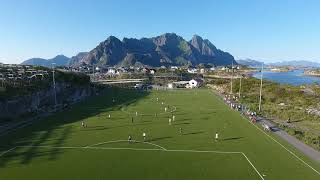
(195, 83)
(146, 70)
(112, 71)
(153, 71)
(174, 67)
(192, 70)
(178, 84)
(203, 70)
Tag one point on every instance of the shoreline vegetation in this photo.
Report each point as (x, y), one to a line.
(295, 109)
(315, 72)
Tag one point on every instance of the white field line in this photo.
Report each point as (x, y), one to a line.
(141, 149)
(109, 142)
(292, 153)
(276, 141)
(2, 154)
(253, 166)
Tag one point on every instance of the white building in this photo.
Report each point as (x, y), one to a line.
(195, 83)
(178, 84)
(112, 71)
(192, 70)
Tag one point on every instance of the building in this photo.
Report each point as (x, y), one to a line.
(195, 83)
(192, 70)
(178, 84)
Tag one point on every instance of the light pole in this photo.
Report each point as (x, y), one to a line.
(261, 88)
(54, 86)
(231, 77)
(240, 86)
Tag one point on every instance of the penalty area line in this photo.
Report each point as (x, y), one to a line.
(141, 149)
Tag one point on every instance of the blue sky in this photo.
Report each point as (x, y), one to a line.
(270, 30)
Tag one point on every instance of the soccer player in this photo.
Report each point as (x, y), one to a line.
(109, 116)
(130, 139)
(173, 118)
(157, 99)
(217, 136)
(131, 119)
(180, 129)
(165, 109)
(144, 135)
(82, 124)
(169, 121)
(136, 113)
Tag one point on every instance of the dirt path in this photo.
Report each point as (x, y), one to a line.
(302, 147)
(307, 150)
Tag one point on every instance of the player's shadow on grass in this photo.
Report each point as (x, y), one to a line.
(95, 128)
(51, 131)
(182, 123)
(232, 138)
(193, 133)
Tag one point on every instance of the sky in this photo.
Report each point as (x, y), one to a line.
(268, 30)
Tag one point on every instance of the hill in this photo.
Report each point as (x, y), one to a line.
(166, 49)
(59, 60)
(299, 63)
(250, 62)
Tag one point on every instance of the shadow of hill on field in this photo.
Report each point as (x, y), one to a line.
(54, 130)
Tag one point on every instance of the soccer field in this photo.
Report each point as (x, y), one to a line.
(58, 147)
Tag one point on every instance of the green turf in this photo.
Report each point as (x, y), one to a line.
(56, 145)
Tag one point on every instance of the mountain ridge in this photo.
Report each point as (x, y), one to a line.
(166, 49)
(59, 60)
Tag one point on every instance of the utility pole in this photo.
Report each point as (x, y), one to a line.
(54, 87)
(93, 79)
(231, 78)
(240, 86)
(261, 88)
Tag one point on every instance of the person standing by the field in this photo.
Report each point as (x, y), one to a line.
(144, 135)
(130, 139)
(216, 137)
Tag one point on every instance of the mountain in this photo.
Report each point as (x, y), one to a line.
(299, 63)
(59, 60)
(74, 60)
(250, 62)
(166, 49)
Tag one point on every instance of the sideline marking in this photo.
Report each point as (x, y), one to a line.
(252, 166)
(301, 160)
